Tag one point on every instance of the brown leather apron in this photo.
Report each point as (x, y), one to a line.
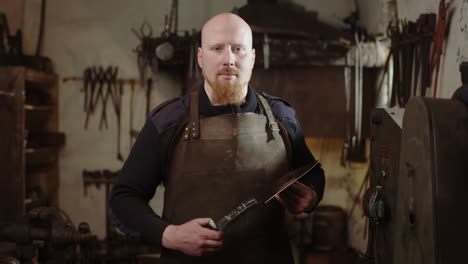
(217, 163)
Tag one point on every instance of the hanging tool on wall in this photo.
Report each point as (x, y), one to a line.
(91, 77)
(428, 22)
(192, 63)
(393, 31)
(14, 42)
(146, 57)
(149, 87)
(151, 50)
(411, 45)
(408, 52)
(117, 102)
(97, 178)
(132, 94)
(147, 60)
(417, 57)
(352, 146)
(41, 28)
(193, 71)
(101, 85)
(109, 79)
(347, 86)
(357, 143)
(171, 23)
(439, 38)
(98, 86)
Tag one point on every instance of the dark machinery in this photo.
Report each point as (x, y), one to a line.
(379, 200)
(46, 235)
(416, 202)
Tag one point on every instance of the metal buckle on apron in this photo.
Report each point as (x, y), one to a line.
(273, 126)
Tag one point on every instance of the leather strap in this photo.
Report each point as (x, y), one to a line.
(272, 124)
(192, 130)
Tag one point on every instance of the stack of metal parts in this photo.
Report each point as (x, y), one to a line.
(416, 200)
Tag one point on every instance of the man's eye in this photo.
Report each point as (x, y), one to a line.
(239, 50)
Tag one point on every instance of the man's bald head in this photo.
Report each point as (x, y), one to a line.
(227, 58)
(226, 22)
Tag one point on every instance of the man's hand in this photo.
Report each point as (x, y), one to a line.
(297, 198)
(192, 238)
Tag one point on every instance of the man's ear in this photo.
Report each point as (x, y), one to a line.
(200, 57)
(253, 58)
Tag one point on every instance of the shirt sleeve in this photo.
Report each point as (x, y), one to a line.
(136, 185)
(301, 155)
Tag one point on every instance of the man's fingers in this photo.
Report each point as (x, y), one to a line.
(290, 195)
(299, 188)
(211, 234)
(291, 206)
(208, 251)
(202, 221)
(207, 233)
(212, 244)
(280, 200)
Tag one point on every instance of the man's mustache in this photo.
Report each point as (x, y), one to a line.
(228, 71)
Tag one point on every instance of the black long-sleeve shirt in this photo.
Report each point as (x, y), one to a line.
(145, 167)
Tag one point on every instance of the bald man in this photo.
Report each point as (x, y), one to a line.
(213, 149)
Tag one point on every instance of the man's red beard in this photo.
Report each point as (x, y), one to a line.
(227, 91)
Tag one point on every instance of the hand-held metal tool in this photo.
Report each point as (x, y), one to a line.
(271, 191)
(224, 221)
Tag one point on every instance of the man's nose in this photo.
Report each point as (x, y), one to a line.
(228, 58)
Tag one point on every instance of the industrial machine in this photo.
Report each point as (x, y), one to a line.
(419, 168)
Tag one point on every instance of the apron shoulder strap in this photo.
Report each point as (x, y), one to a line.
(192, 130)
(272, 124)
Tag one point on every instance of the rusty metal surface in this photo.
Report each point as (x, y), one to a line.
(386, 127)
(431, 199)
(317, 94)
(11, 143)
